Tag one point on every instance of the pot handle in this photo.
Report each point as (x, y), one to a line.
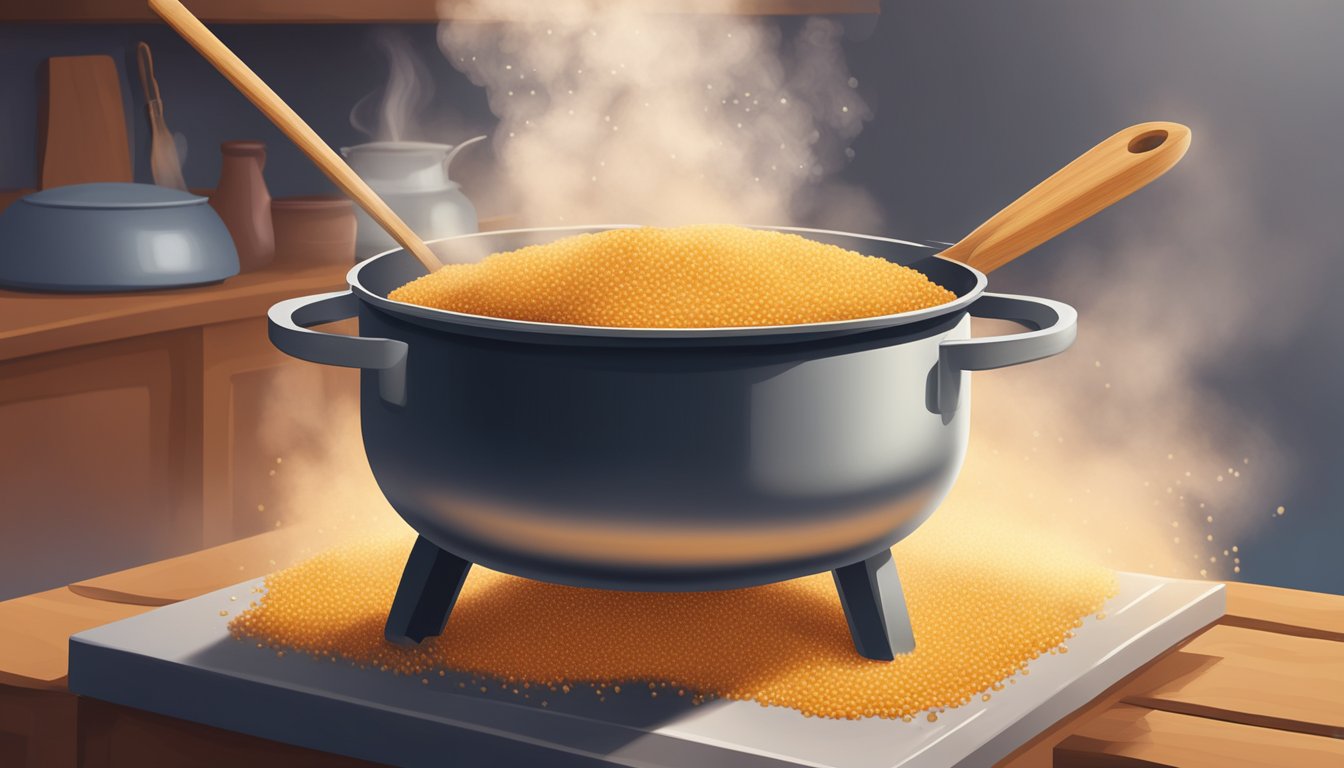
(1053, 324)
(288, 323)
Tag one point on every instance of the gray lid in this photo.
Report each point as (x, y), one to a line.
(113, 195)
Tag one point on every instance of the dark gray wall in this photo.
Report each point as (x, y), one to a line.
(977, 100)
(974, 102)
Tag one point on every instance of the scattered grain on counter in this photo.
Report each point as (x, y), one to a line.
(682, 277)
(984, 602)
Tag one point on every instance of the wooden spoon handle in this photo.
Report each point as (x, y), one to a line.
(1105, 174)
(293, 126)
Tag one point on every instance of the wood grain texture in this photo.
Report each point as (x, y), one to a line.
(1039, 751)
(1126, 736)
(361, 11)
(1251, 677)
(288, 121)
(1109, 172)
(1286, 611)
(32, 323)
(83, 123)
(34, 646)
(182, 578)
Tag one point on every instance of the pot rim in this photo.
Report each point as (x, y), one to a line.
(111, 196)
(469, 322)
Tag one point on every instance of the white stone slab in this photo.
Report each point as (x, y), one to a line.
(180, 661)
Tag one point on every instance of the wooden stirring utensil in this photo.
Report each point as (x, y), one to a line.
(1100, 177)
(293, 126)
(163, 161)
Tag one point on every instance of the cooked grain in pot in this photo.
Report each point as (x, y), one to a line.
(703, 276)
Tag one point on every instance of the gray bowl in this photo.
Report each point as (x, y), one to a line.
(90, 238)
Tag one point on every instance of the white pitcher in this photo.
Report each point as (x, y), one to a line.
(412, 177)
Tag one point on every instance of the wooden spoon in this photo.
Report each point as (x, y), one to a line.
(293, 126)
(1105, 174)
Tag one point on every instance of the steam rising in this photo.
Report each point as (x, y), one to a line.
(610, 115)
(406, 95)
(1123, 444)
(321, 479)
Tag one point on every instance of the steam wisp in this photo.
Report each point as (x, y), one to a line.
(1126, 442)
(401, 102)
(610, 115)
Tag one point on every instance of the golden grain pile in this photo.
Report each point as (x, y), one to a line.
(984, 602)
(683, 277)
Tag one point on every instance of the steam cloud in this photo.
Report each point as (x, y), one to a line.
(1125, 442)
(1123, 445)
(610, 115)
(407, 93)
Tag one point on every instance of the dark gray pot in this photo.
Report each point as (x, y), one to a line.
(664, 459)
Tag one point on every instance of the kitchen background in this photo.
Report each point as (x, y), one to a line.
(1209, 341)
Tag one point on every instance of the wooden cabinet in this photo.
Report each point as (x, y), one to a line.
(154, 436)
(96, 462)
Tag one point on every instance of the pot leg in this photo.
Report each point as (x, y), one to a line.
(429, 587)
(870, 592)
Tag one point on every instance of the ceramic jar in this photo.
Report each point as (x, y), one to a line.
(314, 230)
(243, 202)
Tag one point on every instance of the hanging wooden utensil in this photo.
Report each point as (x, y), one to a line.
(83, 131)
(163, 159)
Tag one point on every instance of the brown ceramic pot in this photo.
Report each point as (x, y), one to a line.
(314, 230)
(244, 203)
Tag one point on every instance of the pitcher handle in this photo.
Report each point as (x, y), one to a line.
(447, 161)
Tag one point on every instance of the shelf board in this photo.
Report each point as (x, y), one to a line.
(361, 11)
(36, 322)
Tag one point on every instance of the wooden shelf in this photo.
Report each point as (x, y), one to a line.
(364, 11)
(1135, 737)
(35, 322)
(31, 323)
(1260, 687)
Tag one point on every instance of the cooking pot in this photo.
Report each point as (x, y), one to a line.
(676, 458)
(664, 459)
(112, 236)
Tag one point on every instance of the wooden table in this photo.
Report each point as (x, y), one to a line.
(1263, 687)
